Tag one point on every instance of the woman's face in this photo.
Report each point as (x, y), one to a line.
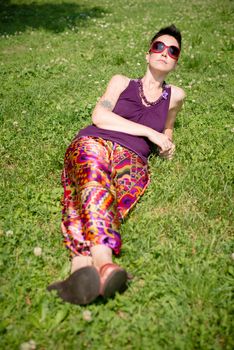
(163, 61)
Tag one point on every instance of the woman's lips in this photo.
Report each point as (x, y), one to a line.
(162, 61)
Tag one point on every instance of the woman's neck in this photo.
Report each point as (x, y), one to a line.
(153, 81)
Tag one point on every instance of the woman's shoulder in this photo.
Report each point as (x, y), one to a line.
(117, 84)
(120, 80)
(177, 98)
(177, 93)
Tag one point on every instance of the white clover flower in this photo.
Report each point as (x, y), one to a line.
(24, 346)
(9, 233)
(37, 251)
(232, 256)
(30, 345)
(87, 315)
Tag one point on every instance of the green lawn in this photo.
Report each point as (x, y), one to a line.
(56, 58)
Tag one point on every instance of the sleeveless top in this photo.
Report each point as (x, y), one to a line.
(130, 106)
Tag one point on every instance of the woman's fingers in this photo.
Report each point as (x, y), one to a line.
(166, 146)
(169, 149)
(168, 154)
(161, 140)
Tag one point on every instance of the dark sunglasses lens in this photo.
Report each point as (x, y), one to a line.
(174, 51)
(158, 46)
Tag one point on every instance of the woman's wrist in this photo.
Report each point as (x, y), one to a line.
(168, 133)
(150, 132)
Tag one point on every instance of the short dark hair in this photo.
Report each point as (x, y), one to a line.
(170, 30)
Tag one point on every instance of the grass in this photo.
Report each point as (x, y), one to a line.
(56, 58)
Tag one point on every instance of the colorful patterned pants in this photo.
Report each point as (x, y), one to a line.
(102, 181)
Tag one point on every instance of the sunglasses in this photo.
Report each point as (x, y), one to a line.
(159, 46)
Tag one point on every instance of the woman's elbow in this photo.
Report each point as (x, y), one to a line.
(96, 117)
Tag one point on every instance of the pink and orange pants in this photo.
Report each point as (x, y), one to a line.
(102, 181)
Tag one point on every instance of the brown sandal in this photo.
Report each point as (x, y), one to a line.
(113, 279)
(81, 287)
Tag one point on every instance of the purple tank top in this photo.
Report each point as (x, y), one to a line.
(130, 106)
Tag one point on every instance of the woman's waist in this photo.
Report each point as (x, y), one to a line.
(138, 144)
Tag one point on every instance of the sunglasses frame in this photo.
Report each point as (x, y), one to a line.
(163, 49)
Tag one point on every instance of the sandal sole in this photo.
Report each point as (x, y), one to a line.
(116, 282)
(81, 287)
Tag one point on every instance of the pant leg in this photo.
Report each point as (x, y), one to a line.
(71, 224)
(131, 178)
(89, 213)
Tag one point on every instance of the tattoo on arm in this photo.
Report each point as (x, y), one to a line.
(106, 104)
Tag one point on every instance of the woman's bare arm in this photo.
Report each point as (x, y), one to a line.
(177, 99)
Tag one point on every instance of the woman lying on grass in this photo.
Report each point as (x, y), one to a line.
(106, 170)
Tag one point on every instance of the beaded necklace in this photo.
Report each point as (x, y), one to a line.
(142, 95)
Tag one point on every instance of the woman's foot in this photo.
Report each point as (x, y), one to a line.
(87, 282)
(113, 278)
(81, 287)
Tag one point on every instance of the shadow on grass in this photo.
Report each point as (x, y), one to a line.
(52, 17)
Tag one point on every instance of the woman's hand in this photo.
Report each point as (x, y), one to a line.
(161, 140)
(167, 154)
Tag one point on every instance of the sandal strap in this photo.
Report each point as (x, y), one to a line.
(107, 266)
